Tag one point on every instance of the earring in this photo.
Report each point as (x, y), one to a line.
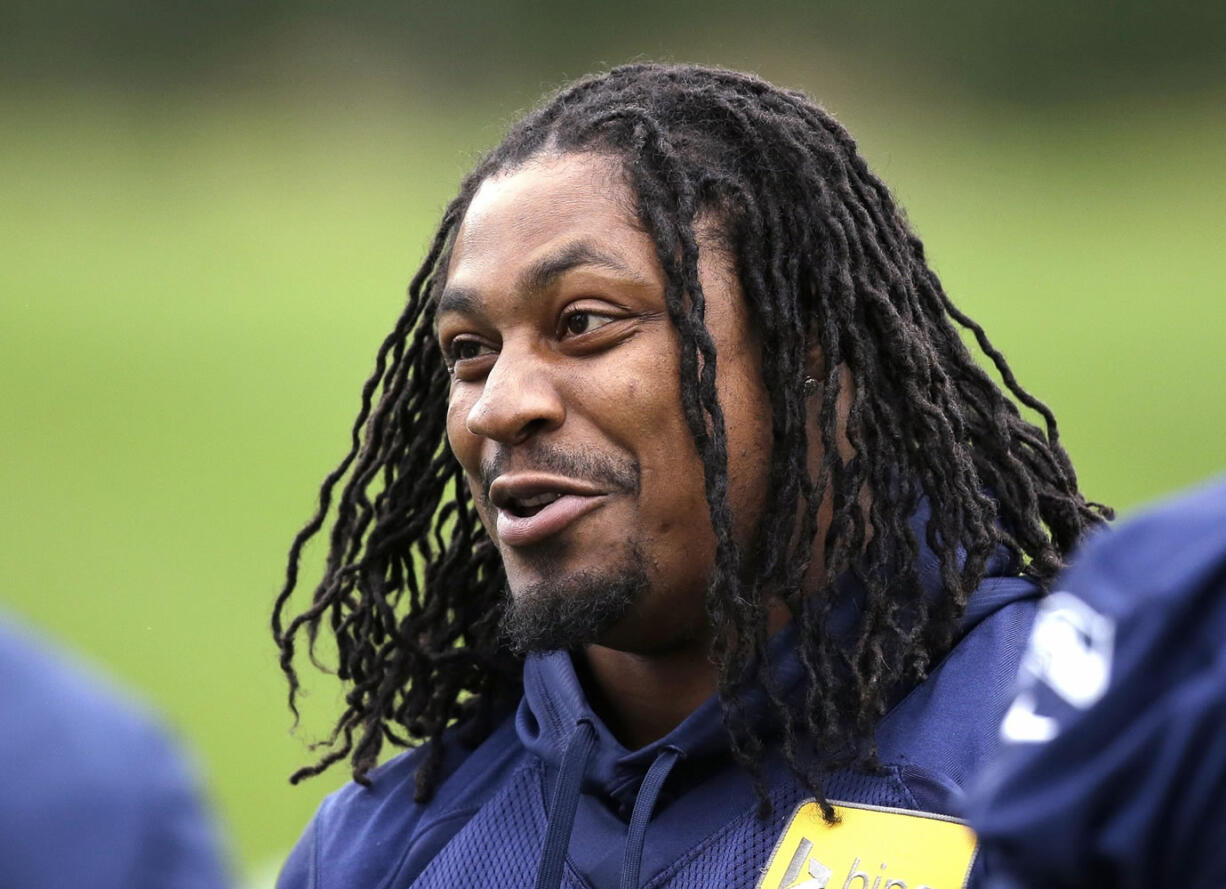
(810, 386)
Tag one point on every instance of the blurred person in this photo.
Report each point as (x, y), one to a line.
(681, 534)
(1113, 771)
(93, 795)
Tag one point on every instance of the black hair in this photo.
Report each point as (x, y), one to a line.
(412, 588)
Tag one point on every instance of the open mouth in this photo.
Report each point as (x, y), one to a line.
(533, 507)
(530, 506)
(531, 520)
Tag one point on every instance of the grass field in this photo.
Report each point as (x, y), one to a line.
(193, 291)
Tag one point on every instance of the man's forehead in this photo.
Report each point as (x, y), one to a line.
(526, 227)
(544, 193)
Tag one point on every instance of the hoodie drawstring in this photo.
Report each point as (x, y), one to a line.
(565, 802)
(644, 803)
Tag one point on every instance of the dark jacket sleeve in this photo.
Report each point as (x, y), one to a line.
(1114, 770)
(93, 792)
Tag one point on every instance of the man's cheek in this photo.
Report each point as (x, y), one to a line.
(483, 506)
(459, 440)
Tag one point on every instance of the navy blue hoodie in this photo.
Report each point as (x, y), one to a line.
(1114, 774)
(553, 791)
(93, 794)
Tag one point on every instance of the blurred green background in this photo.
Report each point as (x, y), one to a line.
(211, 211)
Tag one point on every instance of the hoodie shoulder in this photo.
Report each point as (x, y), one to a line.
(939, 735)
(369, 836)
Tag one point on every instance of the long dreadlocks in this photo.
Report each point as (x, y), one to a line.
(412, 588)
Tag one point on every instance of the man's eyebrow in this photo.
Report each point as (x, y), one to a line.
(538, 276)
(546, 270)
(460, 300)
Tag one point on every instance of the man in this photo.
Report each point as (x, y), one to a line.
(1113, 774)
(93, 795)
(678, 481)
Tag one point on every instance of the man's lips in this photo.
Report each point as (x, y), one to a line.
(531, 507)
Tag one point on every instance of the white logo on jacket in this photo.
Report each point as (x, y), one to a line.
(1070, 652)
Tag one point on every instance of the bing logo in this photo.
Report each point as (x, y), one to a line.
(913, 851)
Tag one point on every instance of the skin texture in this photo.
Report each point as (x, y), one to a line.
(554, 374)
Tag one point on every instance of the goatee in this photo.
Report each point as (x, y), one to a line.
(567, 613)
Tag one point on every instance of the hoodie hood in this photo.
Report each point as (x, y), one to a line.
(554, 704)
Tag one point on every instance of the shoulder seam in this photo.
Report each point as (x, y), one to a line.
(906, 788)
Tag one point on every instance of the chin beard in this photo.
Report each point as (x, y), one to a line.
(566, 613)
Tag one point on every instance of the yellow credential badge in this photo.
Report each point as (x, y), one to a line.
(870, 848)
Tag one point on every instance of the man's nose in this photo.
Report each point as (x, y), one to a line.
(520, 398)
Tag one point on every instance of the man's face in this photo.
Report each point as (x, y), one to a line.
(565, 407)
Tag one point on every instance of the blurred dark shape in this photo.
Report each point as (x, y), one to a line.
(1113, 770)
(1042, 51)
(93, 795)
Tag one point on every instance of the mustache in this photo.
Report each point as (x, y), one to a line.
(619, 475)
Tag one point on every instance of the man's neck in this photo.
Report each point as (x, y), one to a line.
(642, 698)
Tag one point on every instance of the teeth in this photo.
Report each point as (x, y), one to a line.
(538, 500)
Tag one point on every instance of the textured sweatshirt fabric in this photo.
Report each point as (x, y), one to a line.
(552, 799)
(1114, 771)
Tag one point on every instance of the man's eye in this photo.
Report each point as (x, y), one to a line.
(577, 323)
(465, 349)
